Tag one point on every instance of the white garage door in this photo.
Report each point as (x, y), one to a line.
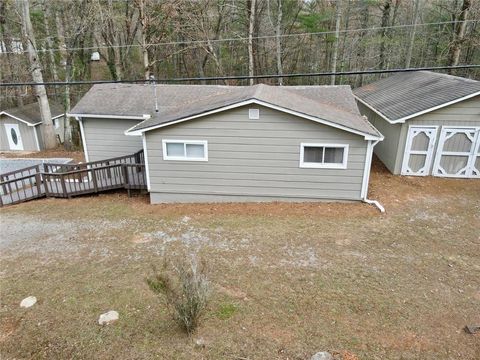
(458, 153)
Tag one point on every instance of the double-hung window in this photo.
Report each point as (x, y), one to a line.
(327, 156)
(185, 150)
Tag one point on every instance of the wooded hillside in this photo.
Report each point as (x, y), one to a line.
(186, 38)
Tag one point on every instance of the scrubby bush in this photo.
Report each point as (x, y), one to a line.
(185, 287)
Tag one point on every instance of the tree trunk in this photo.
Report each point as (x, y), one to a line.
(6, 39)
(338, 13)
(385, 22)
(344, 43)
(143, 37)
(65, 62)
(48, 130)
(251, 23)
(278, 41)
(411, 41)
(459, 34)
(48, 34)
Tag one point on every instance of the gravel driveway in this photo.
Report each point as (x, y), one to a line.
(8, 165)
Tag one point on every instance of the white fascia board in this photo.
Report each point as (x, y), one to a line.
(248, 102)
(145, 155)
(402, 120)
(374, 110)
(17, 118)
(56, 117)
(130, 117)
(84, 142)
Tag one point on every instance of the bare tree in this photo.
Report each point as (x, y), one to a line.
(411, 41)
(251, 24)
(459, 34)
(385, 21)
(143, 36)
(36, 71)
(278, 41)
(338, 13)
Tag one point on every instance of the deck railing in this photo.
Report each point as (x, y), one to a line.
(68, 180)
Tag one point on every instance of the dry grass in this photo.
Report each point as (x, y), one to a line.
(288, 279)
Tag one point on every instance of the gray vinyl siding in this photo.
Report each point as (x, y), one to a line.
(465, 113)
(27, 134)
(252, 160)
(105, 138)
(386, 150)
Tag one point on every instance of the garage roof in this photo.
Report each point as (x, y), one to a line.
(405, 95)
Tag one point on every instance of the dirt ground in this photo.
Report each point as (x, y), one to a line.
(296, 278)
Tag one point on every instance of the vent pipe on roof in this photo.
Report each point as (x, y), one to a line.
(152, 81)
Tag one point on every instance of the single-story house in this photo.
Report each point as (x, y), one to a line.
(227, 143)
(21, 130)
(431, 123)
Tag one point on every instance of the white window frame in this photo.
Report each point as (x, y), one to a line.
(185, 143)
(342, 165)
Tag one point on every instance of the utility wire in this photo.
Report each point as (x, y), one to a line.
(190, 42)
(239, 77)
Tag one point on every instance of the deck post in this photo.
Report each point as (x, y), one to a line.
(38, 181)
(94, 179)
(64, 187)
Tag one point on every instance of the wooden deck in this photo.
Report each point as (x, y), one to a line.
(69, 180)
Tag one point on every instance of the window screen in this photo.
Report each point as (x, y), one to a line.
(185, 150)
(325, 156)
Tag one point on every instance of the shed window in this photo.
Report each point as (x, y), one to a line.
(330, 156)
(186, 150)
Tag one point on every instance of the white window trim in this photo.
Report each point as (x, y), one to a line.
(185, 142)
(343, 165)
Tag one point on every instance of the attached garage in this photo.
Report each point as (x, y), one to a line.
(431, 123)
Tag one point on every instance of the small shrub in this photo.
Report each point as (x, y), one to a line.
(186, 289)
(226, 311)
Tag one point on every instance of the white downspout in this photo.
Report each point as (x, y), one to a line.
(366, 176)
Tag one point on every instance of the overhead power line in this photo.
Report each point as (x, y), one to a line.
(194, 42)
(240, 77)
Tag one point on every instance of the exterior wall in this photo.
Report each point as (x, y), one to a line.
(386, 150)
(105, 138)
(27, 134)
(60, 130)
(252, 160)
(465, 113)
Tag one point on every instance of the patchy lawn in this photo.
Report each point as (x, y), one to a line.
(288, 279)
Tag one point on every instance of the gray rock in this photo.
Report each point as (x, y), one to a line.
(108, 318)
(200, 343)
(28, 302)
(323, 355)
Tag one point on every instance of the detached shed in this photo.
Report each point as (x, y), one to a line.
(431, 123)
(20, 127)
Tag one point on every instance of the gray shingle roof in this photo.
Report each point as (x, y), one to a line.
(409, 93)
(31, 113)
(334, 104)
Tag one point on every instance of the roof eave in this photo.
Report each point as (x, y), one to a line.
(384, 117)
(405, 118)
(19, 119)
(109, 116)
(368, 136)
